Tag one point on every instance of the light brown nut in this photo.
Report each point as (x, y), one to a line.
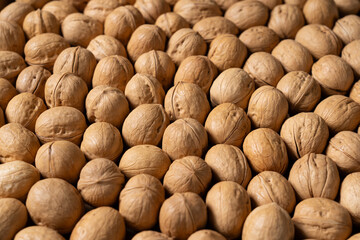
(60, 123)
(321, 218)
(228, 163)
(349, 193)
(16, 179)
(157, 64)
(15, 12)
(44, 49)
(355, 237)
(319, 40)
(170, 22)
(12, 37)
(103, 221)
(7, 92)
(347, 28)
(32, 79)
(78, 4)
(247, 14)
(11, 64)
(315, 175)
(206, 234)
(152, 9)
(102, 140)
(13, 216)
(228, 124)
(106, 104)
(55, 203)
(184, 137)
(339, 112)
(298, 3)
(355, 92)
(176, 212)
(256, 227)
(259, 39)
(352, 56)
(60, 9)
(304, 133)
(264, 69)
(293, 56)
(149, 235)
(100, 182)
(144, 159)
(35, 3)
(322, 12)
(60, 159)
(38, 22)
(221, 46)
(25, 108)
(270, 3)
(17, 143)
(140, 201)
(301, 90)
(228, 206)
(76, 23)
(265, 151)
(267, 108)
(346, 7)
(39, 232)
(100, 9)
(103, 46)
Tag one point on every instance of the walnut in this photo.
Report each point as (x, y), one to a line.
(100, 9)
(15, 12)
(352, 56)
(38, 232)
(60, 9)
(7, 92)
(170, 22)
(13, 216)
(355, 92)
(11, 64)
(349, 193)
(152, 9)
(148, 235)
(32, 79)
(206, 234)
(259, 39)
(271, 4)
(346, 7)
(12, 37)
(78, 4)
(347, 28)
(38, 22)
(35, 3)
(322, 12)
(103, 46)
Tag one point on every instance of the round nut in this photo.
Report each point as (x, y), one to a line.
(259, 39)
(100, 9)
(13, 216)
(349, 193)
(346, 7)
(38, 22)
(170, 22)
(352, 57)
(11, 37)
(7, 92)
(298, 3)
(151, 10)
(38, 232)
(103, 46)
(347, 28)
(355, 92)
(32, 79)
(60, 9)
(148, 235)
(322, 12)
(271, 3)
(78, 4)
(206, 234)
(35, 3)
(15, 12)
(11, 65)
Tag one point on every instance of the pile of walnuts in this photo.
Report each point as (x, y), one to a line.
(179, 119)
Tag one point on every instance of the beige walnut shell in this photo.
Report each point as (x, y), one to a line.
(349, 193)
(38, 22)
(78, 4)
(11, 64)
(35, 3)
(38, 232)
(271, 3)
(152, 9)
(15, 12)
(7, 92)
(104, 46)
(346, 7)
(32, 79)
(100, 9)
(352, 56)
(259, 39)
(298, 3)
(322, 12)
(355, 92)
(150, 235)
(12, 37)
(347, 28)
(13, 216)
(60, 9)
(206, 234)
(170, 22)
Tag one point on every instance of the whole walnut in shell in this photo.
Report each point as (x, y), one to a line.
(39, 21)
(349, 193)
(102, 222)
(352, 56)
(140, 201)
(186, 100)
(321, 218)
(102, 140)
(12, 37)
(256, 227)
(228, 163)
(355, 92)
(298, 3)
(176, 212)
(184, 137)
(60, 9)
(106, 104)
(25, 108)
(268, 187)
(13, 216)
(228, 124)
(346, 7)
(100, 182)
(170, 22)
(259, 39)
(11, 64)
(206, 234)
(104, 46)
(152, 9)
(60, 159)
(322, 12)
(16, 179)
(32, 79)
(315, 175)
(15, 12)
(144, 159)
(347, 28)
(270, 3)
(100, 9)
(7, 92)
(17, 143)
(265, 151)
(39, 232)
(35, 3)
(149, 235)
(228, 206)
(78, 4)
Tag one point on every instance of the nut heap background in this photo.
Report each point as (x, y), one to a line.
(180, 119)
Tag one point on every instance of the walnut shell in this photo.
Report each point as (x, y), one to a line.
(349, 193)
(60, 9)
(114, 71)
(16, 179)
(15, 12)
(321, 218)
(206, 234)
(60, 123)
(145, 125)
(344, 150)
(54, 203)
(352, 56)
(301, 90)
(247, 14)
(11, 64)
(144, 89)
(103, 46)
(228, 206)
(102, 222)
(100, 182)
(150, 235)
(339, 112)
(264, 69)
(17, 143)
(304, 133)
(184, 43)
(140, 201)
(354, 237)
(7, 92)
(176, 212)
(228, 124)
(78, 4)
(259, 226)
(228, 163)
(271, 3)
(38, 232)
(224, 5)
(102, 140)
(319, 40)
(11, 37)
(347, 28)
(293, 56)
(265, 151)
(355, 92)
(43, 49)
(184, 137)
(346, 7)
(60, 159)
(144, 159)
(267, 108)
(106, 104)
(100, 9)
(25, 108)
(32, 79)
(159, 65)
(170, 22)
(13, 216)
(38, 22)
(152, 9)
(35, 3)
(322, 12)
(298, 3)
(259, 39)
(186, 100)
(315, 175)
(221, 46)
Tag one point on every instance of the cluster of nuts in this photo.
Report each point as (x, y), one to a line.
(179, 119)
